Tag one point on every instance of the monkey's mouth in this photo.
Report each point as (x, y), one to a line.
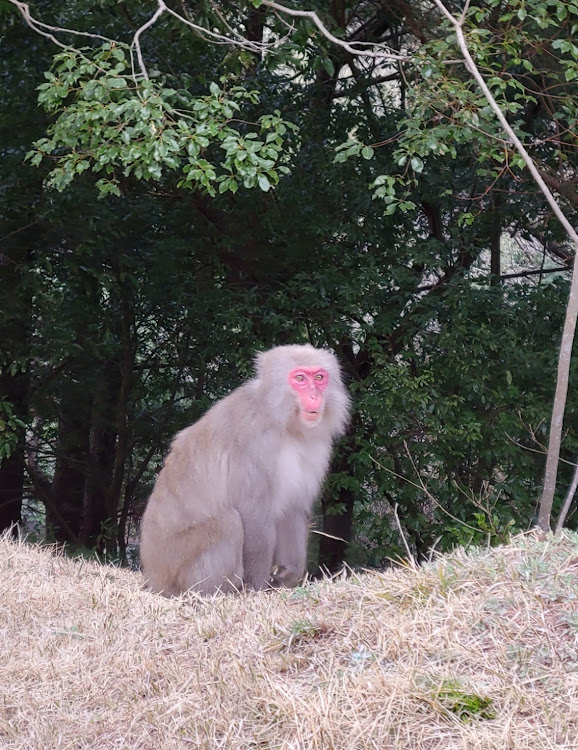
(311, 416)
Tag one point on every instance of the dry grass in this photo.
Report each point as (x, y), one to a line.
(477, 650)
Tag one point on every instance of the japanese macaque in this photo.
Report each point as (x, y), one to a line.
(231, 505)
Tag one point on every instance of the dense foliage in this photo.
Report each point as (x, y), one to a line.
(234, 200)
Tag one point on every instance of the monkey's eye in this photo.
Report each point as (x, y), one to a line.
(299, 378)
(319, 377)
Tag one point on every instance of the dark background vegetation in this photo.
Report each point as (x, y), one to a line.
(123, 318)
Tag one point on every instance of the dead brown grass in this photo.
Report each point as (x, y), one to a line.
(478, 650)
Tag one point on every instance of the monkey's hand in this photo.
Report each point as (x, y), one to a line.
(284, 577)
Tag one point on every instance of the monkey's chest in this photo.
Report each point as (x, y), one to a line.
(300, 471)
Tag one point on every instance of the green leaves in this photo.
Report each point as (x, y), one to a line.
(118, 125)
(385, 189)
(352, 148)
(10, 429)
(528, 57)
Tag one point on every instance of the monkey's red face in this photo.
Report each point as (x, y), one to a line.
(309, 384)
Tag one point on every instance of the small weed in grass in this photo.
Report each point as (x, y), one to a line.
(296, 632)
(458, 700)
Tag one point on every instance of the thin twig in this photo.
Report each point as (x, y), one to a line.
(136, 39)
(402, 535)
(38, 27)
(425, 490)
(216, 38)
(383, 52)
(568, 500)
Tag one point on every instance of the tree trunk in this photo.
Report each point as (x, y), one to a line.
(103, 436)
(15, 307)
(64, 513)
(337, 527)
(15, 389)
(11, 488)
(495, 237)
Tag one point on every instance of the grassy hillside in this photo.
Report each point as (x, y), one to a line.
(477, 650)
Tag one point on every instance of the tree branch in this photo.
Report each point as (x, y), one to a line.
(568, 501)
(136, 39)
(44, 29)
(363, 85)
(360, 48)
(567, 189)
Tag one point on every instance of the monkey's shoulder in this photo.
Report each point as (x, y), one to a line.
(237, 415)
(223, 429)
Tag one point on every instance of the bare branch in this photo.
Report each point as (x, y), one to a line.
(410, 557)
(567, 189)
(136, 39)
(208, 35)
(533, 272)
(44, 29)
(216, 38)
(358, 87)
(382, 54)
(505, 124)
(568, 501)
(359, 49)
(421, 486)
(503, 277)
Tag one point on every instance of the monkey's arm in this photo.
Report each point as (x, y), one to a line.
(290, 555)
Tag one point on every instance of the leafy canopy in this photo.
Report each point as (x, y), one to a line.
(114, 124)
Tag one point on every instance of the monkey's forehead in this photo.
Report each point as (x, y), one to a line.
(295, 355)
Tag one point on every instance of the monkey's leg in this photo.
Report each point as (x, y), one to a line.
(258, 553)
(215, 559)
(290, 555)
